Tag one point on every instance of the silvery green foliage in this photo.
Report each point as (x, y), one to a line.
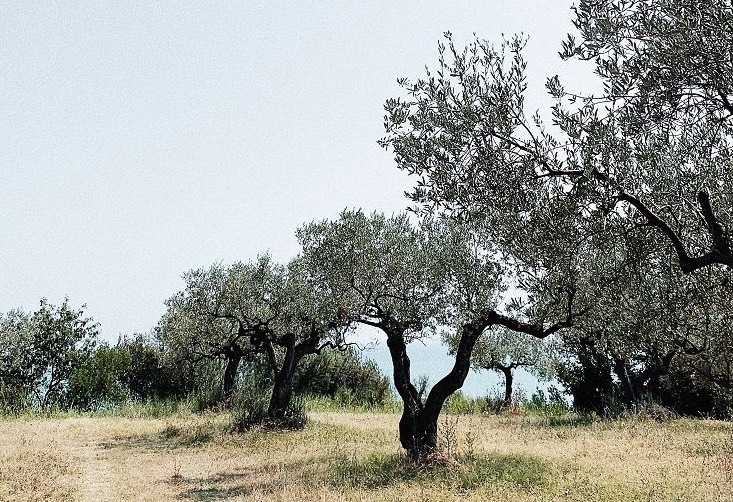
(436, 272)
(662, 135)
(16, 359)
(473, 271)
(645, 317)
(312, 308)
(251, 306)
(652, 149)
(455, 131)
(204, 319)
(522, 278)
(377, 266)
(40, 351)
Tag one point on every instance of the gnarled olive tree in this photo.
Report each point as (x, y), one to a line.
(252, 308)
(196, 328)
(406, 281)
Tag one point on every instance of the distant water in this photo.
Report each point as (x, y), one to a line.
(430, 358)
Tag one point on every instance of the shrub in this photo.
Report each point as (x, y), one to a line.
(551, 404)
(343, 375)
(208, 392)
(250, 406)
(135, 368)
(96, 383)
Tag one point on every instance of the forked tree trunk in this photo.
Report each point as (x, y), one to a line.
(282, 391)
(629, 394)
(419, 423)
(418, 433)
(418, 427)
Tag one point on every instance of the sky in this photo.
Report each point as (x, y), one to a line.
(139, 140)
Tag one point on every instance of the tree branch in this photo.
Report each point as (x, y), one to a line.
(534, 330)
(720, 253)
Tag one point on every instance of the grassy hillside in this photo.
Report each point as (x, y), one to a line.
(356, 456)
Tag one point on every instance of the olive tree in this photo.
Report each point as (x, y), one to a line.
(642, 318)
(194, 328)
(386, 272)
(650, 153)
(311, 319)
(406, 281)
(251, 308)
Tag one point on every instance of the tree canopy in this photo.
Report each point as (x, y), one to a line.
(651, 152)
(248, 308)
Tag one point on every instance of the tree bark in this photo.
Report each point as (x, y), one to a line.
(282, 391)
(508, 383)
(282, 394)
(230, 377)
(415, 434)
(720, 251)
(418, 427)
(622, 373)
(418, 433)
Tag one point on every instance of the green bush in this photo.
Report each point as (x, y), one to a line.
(250, 409)
(460, 404)
(343, 376)
(96, 383)
(687, 393)
(152, 373)
(13, 398)
(40, 351)
(135, 369)
(249, 406)
(208, 393)
(551, 404)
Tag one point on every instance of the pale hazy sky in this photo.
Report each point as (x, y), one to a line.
(140, 140)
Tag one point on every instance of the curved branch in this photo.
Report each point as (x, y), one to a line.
(535, 330)
(721, 252)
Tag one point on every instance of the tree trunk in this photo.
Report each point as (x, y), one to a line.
(508, 383)
(412, 428)
(418, 433)
(282, 394)
(282, 390)
(418, 426)
(230, 377)
(622, 373)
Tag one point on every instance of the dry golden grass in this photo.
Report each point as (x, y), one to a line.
(356, 456)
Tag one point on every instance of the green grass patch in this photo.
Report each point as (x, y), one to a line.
(129, 409)
(319, 403)
(465, 473)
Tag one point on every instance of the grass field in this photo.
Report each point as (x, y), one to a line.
(356, 456)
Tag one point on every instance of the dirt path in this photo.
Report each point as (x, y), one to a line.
(97, 475)
(83, 459)
(110, 460)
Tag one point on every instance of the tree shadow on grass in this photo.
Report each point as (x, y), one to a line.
(265, 479)
(170, 437)
(467, 473)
